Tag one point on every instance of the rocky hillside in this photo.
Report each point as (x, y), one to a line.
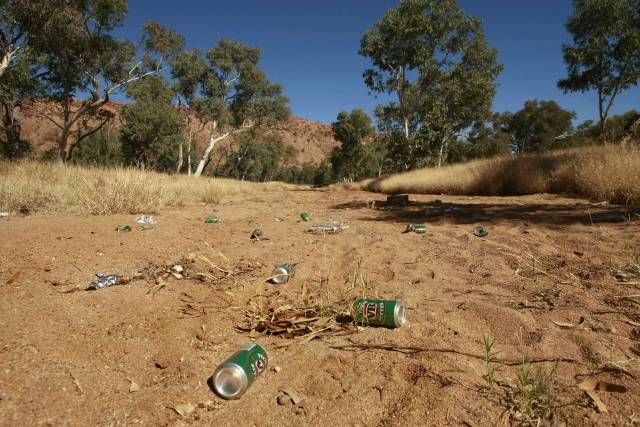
(313, 141)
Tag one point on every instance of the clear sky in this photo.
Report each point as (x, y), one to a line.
(311, 47)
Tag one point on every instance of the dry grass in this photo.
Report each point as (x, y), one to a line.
(30, 188)
(609, 173)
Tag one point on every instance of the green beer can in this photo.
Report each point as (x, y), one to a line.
(378, 312)
(305, 216)
(416, 228)
(212, 220)
(234, 376)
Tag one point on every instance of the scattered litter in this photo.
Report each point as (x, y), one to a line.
(234, 376)
(256, 234)
(416, 228)
(124, 228)
(212, 220)
(372, 312)
(177, 271)
(104, 281)
(278, 219)
(281, 274)
(305, 216)
(133, 387)
(4, 214)
(480, 231)
(184, 409)
(145, 227)
(329, 229)
(146, 219)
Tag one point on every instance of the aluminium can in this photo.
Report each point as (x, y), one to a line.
(282, 273)
(376, 312)
(416, 228)
(305, 216)
(234, 376)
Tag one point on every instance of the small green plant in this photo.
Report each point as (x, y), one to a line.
(634, 256)
(490, 360)
(533, 397)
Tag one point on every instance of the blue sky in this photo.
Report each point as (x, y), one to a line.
(311, 47)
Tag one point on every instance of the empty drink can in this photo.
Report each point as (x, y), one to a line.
(416, 228)
(282, 273)
(234, 376)
(305, 216)
(212, 220)
(377, 312)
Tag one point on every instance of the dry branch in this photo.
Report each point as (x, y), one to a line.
(414, 349)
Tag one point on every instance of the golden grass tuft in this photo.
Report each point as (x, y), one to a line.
(609, 173)
(31, 187)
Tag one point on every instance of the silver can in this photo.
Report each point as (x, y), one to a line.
(234, 376)
(282, 273)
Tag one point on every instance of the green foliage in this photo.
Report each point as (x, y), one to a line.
(351, 129)
(258, 158)
(489, 360)
(153, 129)
(436, 61)
(228, 86)
(604, 55)
(308, 173)
(490, 139)
(539, 126)
(17, 85)
(102, 148)
(534, 394)
(227, 89)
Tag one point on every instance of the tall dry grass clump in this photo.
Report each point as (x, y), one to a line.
(30, 187)
(609, 173)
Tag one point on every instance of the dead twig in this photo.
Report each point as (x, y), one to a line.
(76, 382)
(413, 350)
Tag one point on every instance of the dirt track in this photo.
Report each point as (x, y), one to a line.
(68, 358)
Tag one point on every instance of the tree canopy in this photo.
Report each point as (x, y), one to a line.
(436, 61)
(604, 55)
(226, 88)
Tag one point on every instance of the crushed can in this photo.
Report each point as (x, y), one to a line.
(212, 220)
(234, 376)
(305, 216)
(256, 234)
(282, 273)
(480, 231)
(416, 228)
(146, 219)
(104, 281)
(375, 312)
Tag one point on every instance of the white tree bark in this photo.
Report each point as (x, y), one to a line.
(7, 58)
(180, 158)
(205, 157)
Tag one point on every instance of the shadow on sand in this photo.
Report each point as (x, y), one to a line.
(470, 213)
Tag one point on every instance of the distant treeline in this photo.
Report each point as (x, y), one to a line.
(430, 56)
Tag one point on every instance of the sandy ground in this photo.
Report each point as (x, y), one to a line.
(70, 358)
